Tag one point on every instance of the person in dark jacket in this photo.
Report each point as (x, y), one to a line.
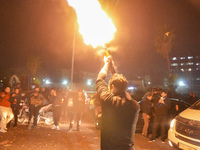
(119, 111)
(146, 108)
(56, 105)
(15, 104)
(35, 102)
(161, 107)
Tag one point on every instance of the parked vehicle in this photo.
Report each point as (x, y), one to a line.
(45, 113)
(184, 132)
(177, 106)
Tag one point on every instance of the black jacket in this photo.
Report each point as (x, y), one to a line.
(162, 109)
(119, 118)
(146, 106)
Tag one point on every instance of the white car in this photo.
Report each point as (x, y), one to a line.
(184, 132)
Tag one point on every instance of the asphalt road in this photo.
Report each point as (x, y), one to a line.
(44, 138)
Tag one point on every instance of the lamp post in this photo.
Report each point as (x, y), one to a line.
(72, 67)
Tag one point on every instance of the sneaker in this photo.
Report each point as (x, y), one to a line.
(54, 127)
(146, 136)
(3, 131)
(152, 139)
(163, 140)
(143, 134)
(69, 130)
(57, 128)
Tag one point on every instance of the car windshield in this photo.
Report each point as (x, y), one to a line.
(196, 105)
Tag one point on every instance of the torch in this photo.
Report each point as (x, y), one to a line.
(112, 66)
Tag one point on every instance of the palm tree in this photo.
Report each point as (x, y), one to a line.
(164, 41)
(33, 64)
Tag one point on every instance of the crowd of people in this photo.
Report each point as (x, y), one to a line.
(38, 97)
(155, 108)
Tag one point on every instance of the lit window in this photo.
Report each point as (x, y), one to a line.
(189, 69)
(190, 63)
(182, 64)
(182, 57)
(182, 69)
(174, 64)
(190, 57)
(197, 64)
(174, 58)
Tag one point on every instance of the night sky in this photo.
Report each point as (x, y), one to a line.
(45, 28)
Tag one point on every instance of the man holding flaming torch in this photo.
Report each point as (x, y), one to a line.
(119, 110)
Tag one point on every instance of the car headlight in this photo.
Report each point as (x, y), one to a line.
(172, 124)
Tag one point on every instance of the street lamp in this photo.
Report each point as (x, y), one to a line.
(72, 69)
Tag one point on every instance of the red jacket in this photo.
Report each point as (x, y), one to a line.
(4, 101)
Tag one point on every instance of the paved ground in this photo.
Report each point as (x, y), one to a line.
(45, 138)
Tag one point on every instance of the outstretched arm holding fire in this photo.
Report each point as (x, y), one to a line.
(108, 66)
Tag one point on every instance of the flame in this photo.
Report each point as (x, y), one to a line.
(95, 26)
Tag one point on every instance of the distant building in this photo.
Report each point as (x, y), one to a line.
(187, 67)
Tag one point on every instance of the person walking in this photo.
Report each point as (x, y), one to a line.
(161, 107)
(146, 108)
(6, 113)
(35, 103)
(56, 105)
(119, 111)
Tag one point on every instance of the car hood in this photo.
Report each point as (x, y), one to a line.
(191, 114)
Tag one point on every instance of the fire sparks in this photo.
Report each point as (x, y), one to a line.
(95, 26)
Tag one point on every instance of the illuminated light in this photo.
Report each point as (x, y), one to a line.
(181, 83)
(174, 58)
(182, 69)
(149, 82)
(190, 63)
(33, 78)
(131, 88)
(95, 26)
(182, 57)
(182, 64)
(174, 64)
(1, 80)
(197, 64)
(89, 82)
(172, 125)
(47, 82)
(190, 57)
(170, 143)
(189, 69)
(43, 80)
(65, 82)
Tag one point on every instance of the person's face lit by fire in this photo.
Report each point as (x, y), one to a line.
(17, 91)
(7, 90)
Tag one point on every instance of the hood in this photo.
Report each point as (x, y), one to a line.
(191, 114)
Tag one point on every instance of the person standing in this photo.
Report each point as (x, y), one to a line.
(35, 103)
(146, 108)
(78, 109)
(56, 105)
(161, 107)
(6, 113)
(119, 111)
(15, 104)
